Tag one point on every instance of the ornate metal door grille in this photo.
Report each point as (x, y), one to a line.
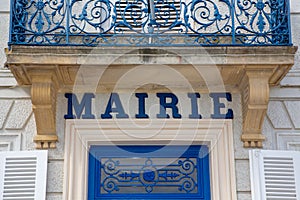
(149, 172)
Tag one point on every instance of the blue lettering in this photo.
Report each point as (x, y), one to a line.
(114, 99)
(85, 104)
(83, 109)
(217, 106)
(164, 105)
(194, 106)
(142, 113)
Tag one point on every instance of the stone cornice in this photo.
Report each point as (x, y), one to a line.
(116, 55)
(247, 70)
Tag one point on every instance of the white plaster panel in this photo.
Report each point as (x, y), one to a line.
(61, 110)
(288, 141)
(4, 27)
(4, 5)
(295, 6)
(285, 93)
(293, 146)
(292, 78)
(239, 151)
(268, 132)
(10, 141)
(54, 196)
(244, 196)
(242, 175)
(16, 92)
(4, 108)
(295, 25)
(293, 108)
(4, 146)
(7, 79)
(28, 133)
(278, 115)
(19, 114)
(55, 176)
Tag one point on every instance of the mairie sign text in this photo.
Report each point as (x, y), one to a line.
(114, 108)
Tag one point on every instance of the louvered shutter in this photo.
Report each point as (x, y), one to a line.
(275, 175)
(131, 12)
(175, 15)
(23, 175)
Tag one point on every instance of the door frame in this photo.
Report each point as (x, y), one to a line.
(217, 134)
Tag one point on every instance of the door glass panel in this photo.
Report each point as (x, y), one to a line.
(149, 172)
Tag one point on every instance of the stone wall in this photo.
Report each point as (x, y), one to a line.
(17, 129)
(17, 123)
(4, 27)
(282, 124)
(293, 77)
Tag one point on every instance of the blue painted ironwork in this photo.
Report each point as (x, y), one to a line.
(150, 22)
(149, 172)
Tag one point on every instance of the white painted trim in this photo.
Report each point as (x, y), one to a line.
(15, 93)
(292, 78)
(7, 79)
(286, 139)
(295, 6)
(80, 134)
(5, 6)
(284, 93)
(11, 140)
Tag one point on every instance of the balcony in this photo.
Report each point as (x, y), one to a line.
(143, 23)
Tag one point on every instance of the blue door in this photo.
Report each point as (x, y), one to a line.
(149, 172)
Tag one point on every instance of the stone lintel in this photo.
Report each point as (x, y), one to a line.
(248, 70)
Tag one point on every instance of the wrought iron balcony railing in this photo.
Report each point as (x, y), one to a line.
(150, 22)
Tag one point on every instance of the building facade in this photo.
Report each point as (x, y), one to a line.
(122, 119)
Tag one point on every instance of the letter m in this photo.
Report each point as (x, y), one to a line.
(85, 104)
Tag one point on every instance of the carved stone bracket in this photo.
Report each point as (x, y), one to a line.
(43, 94)
(255, 98)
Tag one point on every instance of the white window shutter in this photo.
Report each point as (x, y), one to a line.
(23, 175)
(275, 175)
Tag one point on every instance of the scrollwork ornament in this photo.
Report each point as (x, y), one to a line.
(110, 167)
(188, 185)
(187, 166)
(38, 21)
(261, 22)
(96, 16)
(110, 185)
(206, 16)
